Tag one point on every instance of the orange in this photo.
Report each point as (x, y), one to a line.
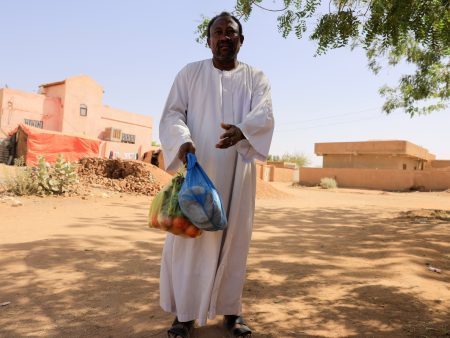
(180, 222)
(192, 231)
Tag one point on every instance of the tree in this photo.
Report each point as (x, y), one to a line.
(299, 159)
(274, 158)
(412, 31)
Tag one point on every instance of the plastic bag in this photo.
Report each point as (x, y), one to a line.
(165, 212)
(199, 200)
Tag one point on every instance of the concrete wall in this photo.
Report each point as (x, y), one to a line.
(52, 113)
(439, 164)
(277, 164)
(373, 147)
(381, 179)
(371, 161)
(271, 173)
(432, 180)
(130, 123)
(16, 106)
(259, 169)
(57, 92)
(267, 173)
(120, 150)
(82, 90)
(417, 151)
(264, 171)
(285, 174)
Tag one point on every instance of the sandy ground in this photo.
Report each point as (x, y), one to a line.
(342, 263)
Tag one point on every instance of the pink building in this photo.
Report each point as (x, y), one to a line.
(75, 106)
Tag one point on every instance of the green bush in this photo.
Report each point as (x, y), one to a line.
(56, 179)
(328, 183)
(43, 179)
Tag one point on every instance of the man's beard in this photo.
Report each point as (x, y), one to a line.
(229, 54)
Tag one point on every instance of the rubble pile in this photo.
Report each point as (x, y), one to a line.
(119, 175)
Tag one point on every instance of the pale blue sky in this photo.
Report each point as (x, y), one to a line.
(134, 49)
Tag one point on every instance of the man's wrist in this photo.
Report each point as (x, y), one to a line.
(241, 135)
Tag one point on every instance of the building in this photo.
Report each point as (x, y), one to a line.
(277, 171)
(395, 154)
(386, 165)
(75, 106)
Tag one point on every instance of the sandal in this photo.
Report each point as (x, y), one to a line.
(181, 329)
(229, 323)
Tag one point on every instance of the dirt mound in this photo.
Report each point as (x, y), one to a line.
(142, 178)
(160, 175)
(123, 175)
(265, 190)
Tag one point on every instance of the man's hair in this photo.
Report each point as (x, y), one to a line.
(222, 15)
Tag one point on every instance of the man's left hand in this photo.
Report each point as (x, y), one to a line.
(230, 137)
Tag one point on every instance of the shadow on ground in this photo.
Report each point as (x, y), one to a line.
(74, 287)
(303, 254)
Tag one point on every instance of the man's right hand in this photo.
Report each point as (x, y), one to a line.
(185, 148)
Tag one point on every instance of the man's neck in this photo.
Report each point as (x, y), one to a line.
(225, 65)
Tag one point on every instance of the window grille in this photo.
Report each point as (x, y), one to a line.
(83, 110)
(34, 123)
(128, 138)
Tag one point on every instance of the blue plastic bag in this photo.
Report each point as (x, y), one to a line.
(199, 200)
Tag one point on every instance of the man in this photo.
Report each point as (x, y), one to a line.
(221, 110)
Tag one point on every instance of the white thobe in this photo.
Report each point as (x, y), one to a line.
(204, 277)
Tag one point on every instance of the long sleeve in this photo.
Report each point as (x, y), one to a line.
(258, 124)
(173, 131)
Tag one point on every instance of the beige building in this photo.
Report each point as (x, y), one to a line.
(277, 171)
(387, 165)
(402, 155)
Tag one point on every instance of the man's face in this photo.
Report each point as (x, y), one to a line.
(224, 39)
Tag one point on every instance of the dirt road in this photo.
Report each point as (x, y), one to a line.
(344, 263)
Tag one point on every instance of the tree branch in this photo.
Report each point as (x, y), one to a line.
(368, 7)
(268, 9)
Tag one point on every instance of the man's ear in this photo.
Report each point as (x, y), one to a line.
(208, 42)
(242, 39)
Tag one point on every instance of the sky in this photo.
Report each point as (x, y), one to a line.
(134, 49)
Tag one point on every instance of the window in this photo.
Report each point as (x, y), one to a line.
(83, 110)
(34, 123)
(116, 134)
(404, 166)
(128, 138)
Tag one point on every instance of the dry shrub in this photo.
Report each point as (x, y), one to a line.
(21, 181)
(328, 183)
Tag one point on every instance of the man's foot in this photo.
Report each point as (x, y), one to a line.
(236, 327)
(181, 329)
